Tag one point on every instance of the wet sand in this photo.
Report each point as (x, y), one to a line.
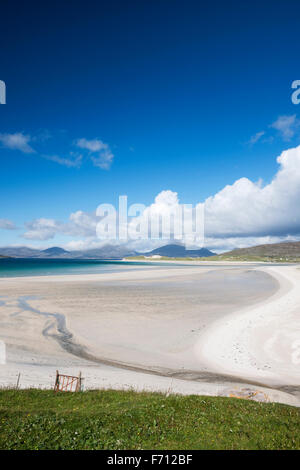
(143, 329)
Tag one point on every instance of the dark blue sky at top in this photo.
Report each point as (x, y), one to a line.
(175, 88)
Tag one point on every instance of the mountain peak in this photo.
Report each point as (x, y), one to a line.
(55, 250)
(179, 251)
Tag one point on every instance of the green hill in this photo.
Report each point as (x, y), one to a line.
(286, 251)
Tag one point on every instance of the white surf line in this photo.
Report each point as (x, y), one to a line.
(259, 343)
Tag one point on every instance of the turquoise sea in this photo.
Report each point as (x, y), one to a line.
(15, 267)
(20, 267)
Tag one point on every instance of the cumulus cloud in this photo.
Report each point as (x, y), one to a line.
(17, 141)
(168, 219)
(242, 214)
(99, 152)
(251, 209)
(80, 224)
(42, 229)
(6, 224)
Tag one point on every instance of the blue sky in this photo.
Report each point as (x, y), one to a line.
(169, 95)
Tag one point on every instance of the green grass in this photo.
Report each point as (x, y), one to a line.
(36, 419)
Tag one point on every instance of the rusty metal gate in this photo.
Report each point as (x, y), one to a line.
(67, 383)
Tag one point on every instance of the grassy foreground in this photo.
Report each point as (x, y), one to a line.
(36, 419)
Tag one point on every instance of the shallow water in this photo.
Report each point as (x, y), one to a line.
(20, 267)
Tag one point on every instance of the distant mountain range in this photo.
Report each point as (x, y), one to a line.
(107, 252)
(286, 250)
(179, 251)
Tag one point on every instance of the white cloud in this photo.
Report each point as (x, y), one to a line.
(220, 245)
(17, 141)
(93, 145)
(256, 137)
(250, 209)
(103, 160)
(74, 160)
(7, 224)
(80, 224)
(167, 219)
(242, 214)
(42, 229)
(99, 152)
(286, 126)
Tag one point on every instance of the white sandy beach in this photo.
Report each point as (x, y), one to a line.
(263, 342)
(204, 329)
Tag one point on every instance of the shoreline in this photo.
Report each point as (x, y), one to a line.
(260, 342)
(221, 377)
